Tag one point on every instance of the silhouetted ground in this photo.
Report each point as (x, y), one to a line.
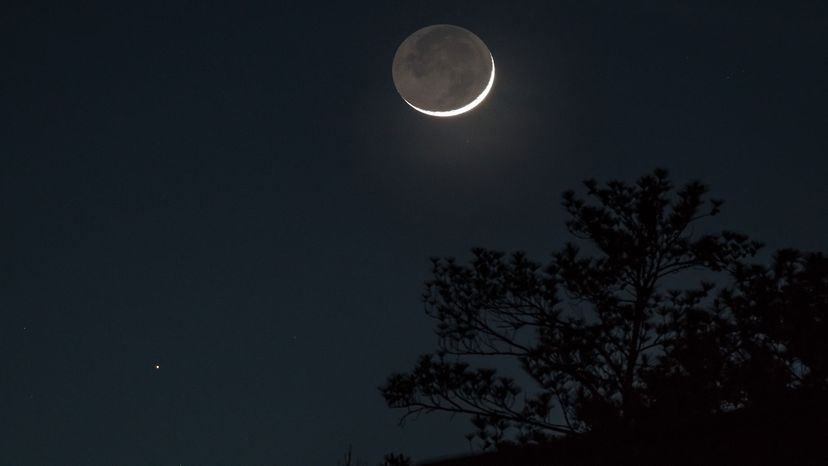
(797, 434)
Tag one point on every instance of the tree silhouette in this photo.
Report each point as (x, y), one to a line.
(396, 459)
(609, 334)
(390, 459)
(781, 314)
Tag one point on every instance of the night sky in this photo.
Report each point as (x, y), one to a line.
(237, 193)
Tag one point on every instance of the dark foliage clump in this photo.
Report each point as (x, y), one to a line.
(641, 325)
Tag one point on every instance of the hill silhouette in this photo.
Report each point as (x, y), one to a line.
(793, 433)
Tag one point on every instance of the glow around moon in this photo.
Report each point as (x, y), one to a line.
(465, 108)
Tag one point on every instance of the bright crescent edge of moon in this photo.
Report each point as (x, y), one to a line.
(465, 108)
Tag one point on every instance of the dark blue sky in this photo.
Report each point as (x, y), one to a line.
(236, 192)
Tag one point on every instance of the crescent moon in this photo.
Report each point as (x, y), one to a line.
(465, 108)
(443, 70)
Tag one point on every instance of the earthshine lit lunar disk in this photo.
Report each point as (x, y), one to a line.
(443, 70)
